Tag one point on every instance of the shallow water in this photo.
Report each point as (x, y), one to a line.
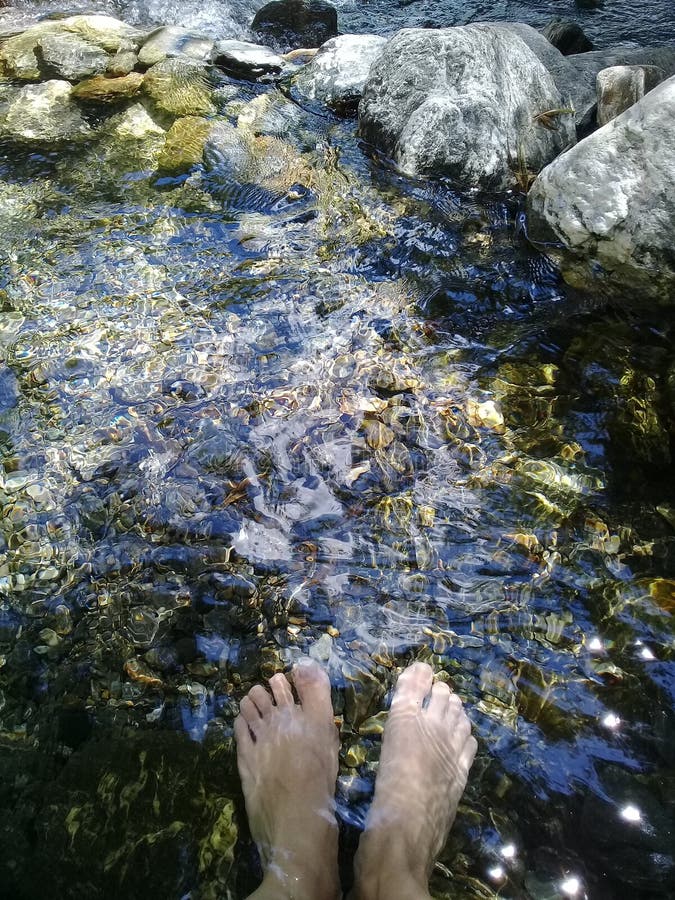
(356, 416)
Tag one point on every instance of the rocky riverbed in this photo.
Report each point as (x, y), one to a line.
(284, 372)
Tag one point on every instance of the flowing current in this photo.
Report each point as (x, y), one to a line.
(346, 414)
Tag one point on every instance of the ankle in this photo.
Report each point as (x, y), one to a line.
(303, 872)
(385, 869)
(393, 884)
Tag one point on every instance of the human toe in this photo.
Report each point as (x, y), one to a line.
(412, 687)
(439, 700)
(262, 700)
(249, 713)
(281, 690)
(313, 687)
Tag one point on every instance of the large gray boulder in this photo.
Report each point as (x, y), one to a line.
(337, 74)
(605, 210)
(468, 102)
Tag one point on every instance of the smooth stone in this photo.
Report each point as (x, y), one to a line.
(122, 63)
(610, 203)
(567, 36)
(172, 41)
(104, 31)
(136, 123)
(100, 89)
(184, 145)
(227, 150)
(462, 102)
(287, 24)
(244, 60)
(179, 87)
(70, 57)
(337, 74)
(43, 112)
(619, 87)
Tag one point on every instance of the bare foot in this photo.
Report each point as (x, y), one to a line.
(427, 752)
(288, 761)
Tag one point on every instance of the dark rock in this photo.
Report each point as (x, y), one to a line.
(288, 24)
(567, 36)
(242, 59)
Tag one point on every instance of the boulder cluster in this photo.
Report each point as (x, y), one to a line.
(586, 134)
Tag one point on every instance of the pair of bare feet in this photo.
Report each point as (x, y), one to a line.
(288, 761)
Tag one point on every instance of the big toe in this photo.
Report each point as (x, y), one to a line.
(313, 687)
(412, 687)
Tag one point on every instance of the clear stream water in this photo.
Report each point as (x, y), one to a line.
(356, 416)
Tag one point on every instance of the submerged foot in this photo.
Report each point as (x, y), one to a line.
(287, 754)
(427, 752)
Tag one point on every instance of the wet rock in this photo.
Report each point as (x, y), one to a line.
(69, 56)
(567, 36)
(18, 56)
(245, 60)
(184, 146)
(619, 87)
(273, 115)
(9, 390)
(122, 63)
(104, 31)
(172, 41)
(237, 155)
(338, 72)
(464, 102)
(136, 123)
(179, 87)
(43, 112)
(287, 24)
(100, 89)
(577, 76)
(363, 692)
(610, 202)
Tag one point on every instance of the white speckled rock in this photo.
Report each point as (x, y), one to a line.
(463, 102)
(338, 72)
(610, 203)
(43, 112)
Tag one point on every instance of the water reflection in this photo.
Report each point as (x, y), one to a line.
(232, 437)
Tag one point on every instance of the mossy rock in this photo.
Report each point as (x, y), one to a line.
(179, 87)
(18, 55)
(184, 145)
(101, 89)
